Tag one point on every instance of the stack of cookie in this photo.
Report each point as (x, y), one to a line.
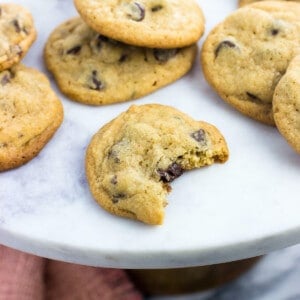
(123, 50)
(30, 112)
(250, 59)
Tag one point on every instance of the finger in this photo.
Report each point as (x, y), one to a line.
(21, 275)
(69, 281)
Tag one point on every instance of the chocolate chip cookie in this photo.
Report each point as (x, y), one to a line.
(17, 33)
(286, 104)
(93, 69)
(245, 56)
(131, 161)
(245, 2)
(30, 113)
(151, 23)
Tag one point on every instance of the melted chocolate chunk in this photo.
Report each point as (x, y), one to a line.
(103, 39)
(199, 136)
(137, 12)
(254, 98)
(96, 83)
(75, 50)
(17, 25)
(117, 197)
(156, 8)
(163, 55)
(173, 172)
(114, 180)
(5, 80)
(0, 11)
(224, 44)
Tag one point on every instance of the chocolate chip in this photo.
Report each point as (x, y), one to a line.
(224, 44)
(0, 11)
(254, 98)
(101, 39)
(17, 25)
(123, 58)
(113, 154)
(274, 31)
(117, 197)
(114, 180)
(137, 12)
(75, 50)
(163, 55)
(5, 80)
(199, 136)
(173, 172)
(156, 8)
(96, 83)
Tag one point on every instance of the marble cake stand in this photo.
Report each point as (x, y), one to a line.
(245, 208)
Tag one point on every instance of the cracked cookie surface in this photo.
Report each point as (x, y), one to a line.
(93, 69)
(17, 33)
(245, 2)
(131, 160)
(286, 104)
(30, 113)
(146, 23)
(245, 56)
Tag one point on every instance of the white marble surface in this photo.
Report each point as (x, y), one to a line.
(244, 208)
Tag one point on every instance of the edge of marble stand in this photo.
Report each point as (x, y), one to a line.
(189, 280)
